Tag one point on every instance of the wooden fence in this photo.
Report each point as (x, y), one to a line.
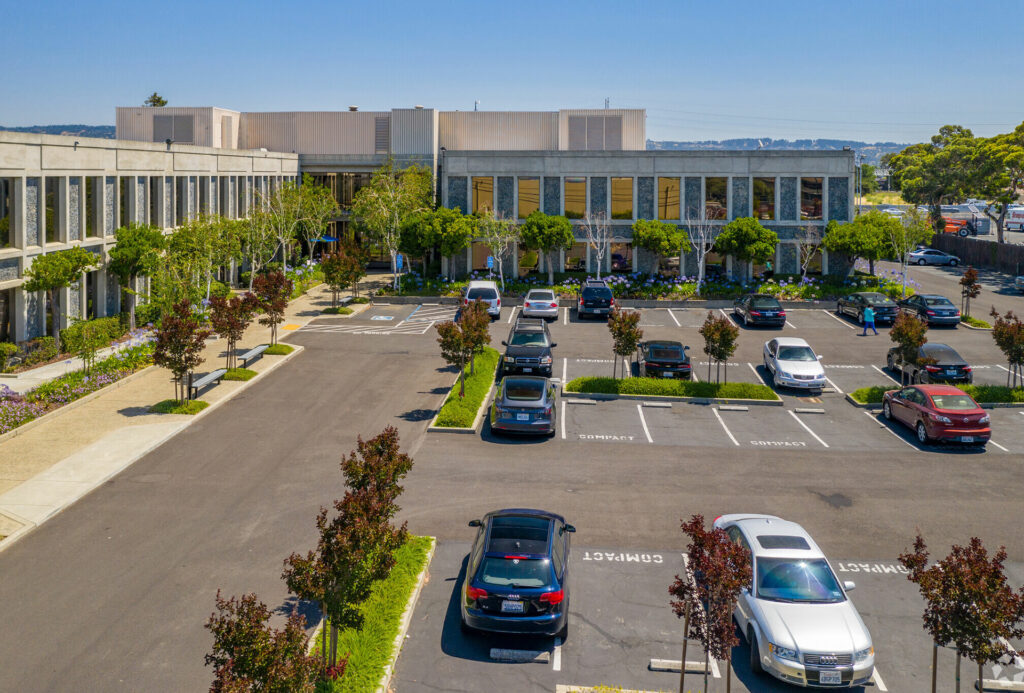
(1001, 257)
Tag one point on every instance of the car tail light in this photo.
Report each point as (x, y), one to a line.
(554, 305)
(611, 301)
(782, 313)
(547, 412)
(932, 369)
(967, 369)
(474, 593)
(499, 303)
(465, 301)
(526, 305)
(956, 313)
(553, 598)
(519, 558)
(756, 312)
(581, 300)
(930, 312)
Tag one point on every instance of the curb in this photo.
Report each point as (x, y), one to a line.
(403, 629)
(669, 398)
(983, 405)
(477, 421)
(972, 327)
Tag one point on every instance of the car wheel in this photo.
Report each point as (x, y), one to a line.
(887, 410)
(962, 233)
(954, 263)
(755, 653)
(775, 381)
(922, 433)
(889, 362)
(743, 319)
(860, 318)
(921, 261)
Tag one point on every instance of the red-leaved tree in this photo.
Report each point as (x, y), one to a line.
(273, 291)
(716, 570)
(179, 345)
(968, 602)
(230, 317)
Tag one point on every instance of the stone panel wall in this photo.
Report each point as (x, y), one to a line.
(193, 200)
(214, 195)
(8, 269)
(789, 262)
(552, 195)
(75, 301)
(645, 197)
(599, 196)
(34, 313)
(457, 193)
(740, 198)
(457, 266)
(168, 202)
(74, 208)
(110, 210)
(787, 199)
(692, 199)
(32, 211)
(505, 205)
(140, 200)
(839, 198)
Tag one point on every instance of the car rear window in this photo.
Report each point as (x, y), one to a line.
(781, 541)
(512, 571)
(541, 296)
(524, 390)
(666, 353)
(592, 292)
(764, 302)
(482, 294)
(956, 402)
(939, 301)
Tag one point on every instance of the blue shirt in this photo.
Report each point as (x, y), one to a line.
(869, 314)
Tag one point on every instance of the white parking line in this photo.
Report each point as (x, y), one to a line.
(886, 375)
(879, 682)
(563, 419)
(882, 425)
(513, 313)
(1003, 367)
(565, 368)
(807, 428)
(757, 373)
(837, 319)
(626, 368)
(714, 668)
(998, 445)
(727, 431)
(556, 660)
(643, 422)
(722, 311)
(834, 386)
(789, 324)
(673, 316)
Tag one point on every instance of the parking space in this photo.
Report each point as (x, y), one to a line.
(1007, 435)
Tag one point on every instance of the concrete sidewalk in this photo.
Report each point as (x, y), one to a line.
(47, 468)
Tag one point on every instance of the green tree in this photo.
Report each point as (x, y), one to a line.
(272, 291)
(499, 235)
(548, 235)
(626, 334)
(866, 237)
(661, 239)
(910, 334)
(180, 340)
(155, 101)
(903, 238)
(868, 182)
(448, 231)
(392, 196)
(341, 270)
(1008, 334)
(230, 317)
(747, 241)
(475, 323)
(720, 336)
(317, 207)
(970, 288)
(456, 348)
(258, 239)
(54, 272)
(137, 252)
(1000, 162)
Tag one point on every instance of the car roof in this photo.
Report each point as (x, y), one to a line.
(869, 293)
(760, 296)
(532, 378)
(531, 541)
(663, 343)
(754, 526)
(932, 296)
(534, 291)
(529, 325)
(481, 284)
(791, 341)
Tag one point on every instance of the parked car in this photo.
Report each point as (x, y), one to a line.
(663, 359)
(854, 304)
(524, 404)
(759, 309)
(939, 363)
(527, 348)
(792, 363)
(932, 308)
(1019, 283)
(938, 413)
(931, 256)
(595, 299)
(517, 575)
(795, 614)
(540, 303)
(486, 291)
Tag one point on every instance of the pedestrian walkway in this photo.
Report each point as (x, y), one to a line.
(27, 380)
(46, 468)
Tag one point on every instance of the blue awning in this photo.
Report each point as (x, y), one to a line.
(327, 239)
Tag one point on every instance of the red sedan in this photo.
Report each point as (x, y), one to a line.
(938, 412)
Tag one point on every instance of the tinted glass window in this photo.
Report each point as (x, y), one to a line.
(518, 527)
(764, 302)
(575, 197)
(668, 198)
(515, 572)
(540, 296)
(810, 198)
(596, 292)
(764, 198)
(958, 402)
(529, 339)
(776, 541)
(796, 353)
(938, 302)
(622, 198)
(666, 353)
(529, 196)
(789, 580)
(878, 300)
(482, 294)
(525, 390)
(716, 196)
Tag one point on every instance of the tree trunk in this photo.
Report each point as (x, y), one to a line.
(981, 679)
(334, 644)
(709, 368)
(871, 267)
(462, 379)
(725, 371)
(728, 674)
(55, 317)
(682, 665)
(323, 637)
(958, 672)
(472, 363)
(131, 303)
(615, 364)
(935, 664)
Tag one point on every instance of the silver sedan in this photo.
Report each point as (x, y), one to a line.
(540, 303)
(930, 256)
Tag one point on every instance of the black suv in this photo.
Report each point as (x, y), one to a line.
(595, 298)
(517, 576)
(528, 348)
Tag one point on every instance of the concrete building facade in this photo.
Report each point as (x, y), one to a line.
(58, 192)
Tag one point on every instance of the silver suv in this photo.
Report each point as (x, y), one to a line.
(797, 619)
(486, 291)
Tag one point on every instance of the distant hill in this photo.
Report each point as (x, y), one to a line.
(103, 131)
(872, 152)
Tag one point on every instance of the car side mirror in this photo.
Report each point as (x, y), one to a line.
(686, 348)
(819, 357)
(504, 343)
(569, 528)
(849, 586)
(474, 523)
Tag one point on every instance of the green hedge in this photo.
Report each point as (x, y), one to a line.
(279, 349)
(110, 329)
(461, 412)
(370, 646)
(670, 388)
(985, 394)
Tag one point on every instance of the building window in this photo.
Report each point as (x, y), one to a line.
(483, 194)
(668, 198)
(576, 258)
(529, 196)
(810, 198)
(622, 198)
(575, 197)
(764, 198)
(480, 254)
(124, 208)
(52, 209)
(181, 198)
(348, 186)
(621, 257)
(6, 309)
(240, 209)
(93, 205)
(6, 202)
(716, 198)
(155, 188)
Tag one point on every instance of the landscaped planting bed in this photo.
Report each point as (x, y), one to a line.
(669, 388)
(983, 394)
(460, 412)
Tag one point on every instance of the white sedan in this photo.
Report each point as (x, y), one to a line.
(792, 363)
(540, 303)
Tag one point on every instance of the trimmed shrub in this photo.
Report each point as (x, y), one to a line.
(670, 388)
(7, 351)
(40, 350)
(110, 328)
(461, 412)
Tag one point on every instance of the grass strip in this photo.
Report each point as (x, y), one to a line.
(338, 310)
(670, 388)
(983, 394)
(279, 349)
(240, 374)
(370, 647)
(461, 412)
(173, 406)
(975, 322)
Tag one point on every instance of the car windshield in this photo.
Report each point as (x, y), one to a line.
(939, 301)
(540, 296)
(795, 580)
(959, 402)
(764, 302)
(796, 353)
(482, 294)
(666, 352)
(524, 390)
(591, 292)
(530, 339)
(510, 571)
(878, 299)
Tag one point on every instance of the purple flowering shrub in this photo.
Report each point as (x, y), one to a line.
(15, 410)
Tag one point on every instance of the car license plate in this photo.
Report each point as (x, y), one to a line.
(527, 370)
(522, 417)
(666, 374)
(511, 607)
(601, 310)
(830, 677)
(950, 371)
(966, 439)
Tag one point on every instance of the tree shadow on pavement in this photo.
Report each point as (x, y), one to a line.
(417, 415)
(308, 610)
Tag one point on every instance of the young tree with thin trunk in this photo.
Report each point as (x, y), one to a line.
(137, 252)
(808, 244)
(456, 349)
(720, 342)
(968, 603)
(272, 291)
(904, 238)
(283, 212)
(318, 207)
(55, 272)
(498, 234)
(626, 334)
(1008, 333)
(910, 334)
(230, 317)
(548, 235)
(717, 569)
(342, 269)
(179, 346)
(475, 323)
(702, 239)
(599, 234)
(970, 288)
(258, 238)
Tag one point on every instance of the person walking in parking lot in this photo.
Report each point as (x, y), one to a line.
(869, 321)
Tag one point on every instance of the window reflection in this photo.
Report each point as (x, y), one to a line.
(764, 198)
(575, 197)
(622, 198)
(483, 194)
(810, 198)
(668, 198)
(529, 196)
(716, 198)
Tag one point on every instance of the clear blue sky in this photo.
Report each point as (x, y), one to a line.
(871, 70)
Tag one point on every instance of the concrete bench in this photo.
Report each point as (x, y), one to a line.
(196, 385)
(252, 354)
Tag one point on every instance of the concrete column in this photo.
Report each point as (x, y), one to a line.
(19, 316)
(99, 299)
(515, 259)
(728, 266)
(561, 261)
(444, 265)
(824, 262)
(18, 216)
(636, 258)
(63, 232)
(586, 254)
(469, 258)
